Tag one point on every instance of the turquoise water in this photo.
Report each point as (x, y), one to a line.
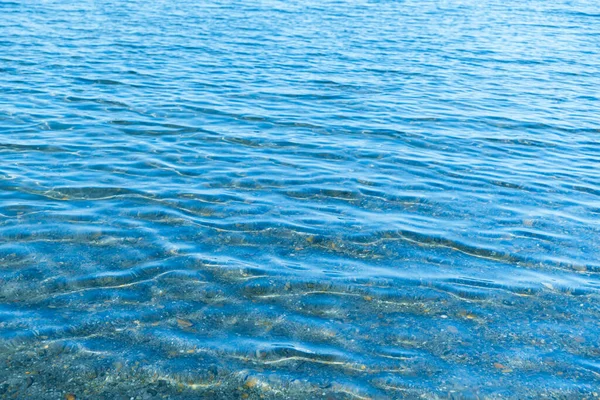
(299, 199)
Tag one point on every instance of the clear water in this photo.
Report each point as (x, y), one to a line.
(299, 199)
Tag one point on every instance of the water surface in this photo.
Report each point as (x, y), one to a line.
(299, 199)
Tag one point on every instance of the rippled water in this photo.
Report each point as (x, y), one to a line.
(299, 199)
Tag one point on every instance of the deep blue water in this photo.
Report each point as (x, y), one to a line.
(299, 199)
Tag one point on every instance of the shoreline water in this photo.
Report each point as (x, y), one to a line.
(299, 199)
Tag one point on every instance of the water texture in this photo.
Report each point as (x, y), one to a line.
(299, 199)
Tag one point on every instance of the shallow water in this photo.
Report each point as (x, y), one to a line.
(299, 199)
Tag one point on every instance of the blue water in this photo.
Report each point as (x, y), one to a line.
(299, 199)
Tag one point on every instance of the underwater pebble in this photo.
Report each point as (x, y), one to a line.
(184, 323)
(251, 382)
(579, 339)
